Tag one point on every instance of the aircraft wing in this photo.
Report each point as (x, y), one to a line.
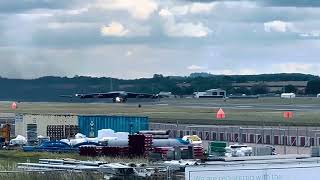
(66, 96)
(140, 95)
(99, 95)
(117, 94)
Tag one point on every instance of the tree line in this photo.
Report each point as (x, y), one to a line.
(51, 88)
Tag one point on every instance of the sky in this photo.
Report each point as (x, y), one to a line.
(133, 39)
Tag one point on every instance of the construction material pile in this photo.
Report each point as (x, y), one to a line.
(157, 134)
(140, 144)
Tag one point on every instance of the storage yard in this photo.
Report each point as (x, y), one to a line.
(159, 140)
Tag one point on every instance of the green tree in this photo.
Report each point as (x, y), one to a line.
(290, 89)
(313, 87)
(260, 89)
(242, 90)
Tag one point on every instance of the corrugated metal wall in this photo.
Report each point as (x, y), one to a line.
(91, 124)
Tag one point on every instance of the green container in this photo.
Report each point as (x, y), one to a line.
(218, 144)
(217, 154)
(218, 149)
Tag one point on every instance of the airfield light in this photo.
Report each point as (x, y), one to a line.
(14, 106)
(221, 114)
(288, 114)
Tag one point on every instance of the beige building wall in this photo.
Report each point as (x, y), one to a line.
(42, 121)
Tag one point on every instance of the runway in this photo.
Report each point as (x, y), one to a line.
(276, 105)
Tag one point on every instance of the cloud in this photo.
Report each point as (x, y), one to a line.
(14, 6)
(187, 29)
(282, 27)
(129, 53)
(201, 7)
(196, 68)
(167, 32)
(236, 71)
(165, 13)
(69, 25)
(278, 26)
(313, 34)
(114, 29)
(191, 8)
(291, 3)
(180, 10)
(139, 9)
(296, 68)
(183, 29)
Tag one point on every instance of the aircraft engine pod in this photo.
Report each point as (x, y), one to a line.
(119, 100)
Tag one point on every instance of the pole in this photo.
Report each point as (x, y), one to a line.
(297, 141)
(168, 173)
(285, 141)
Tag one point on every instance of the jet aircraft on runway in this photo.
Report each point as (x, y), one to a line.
(116, 96)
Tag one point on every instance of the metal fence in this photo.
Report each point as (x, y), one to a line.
(288, 136)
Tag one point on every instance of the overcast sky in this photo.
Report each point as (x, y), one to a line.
(138, 38)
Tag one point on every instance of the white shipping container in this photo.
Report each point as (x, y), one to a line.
(42, 121)
(280, 169)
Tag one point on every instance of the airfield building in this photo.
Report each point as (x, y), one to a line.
(211, 93)
(166, 94)
(274, 86)
(34, 125)
(288, 95)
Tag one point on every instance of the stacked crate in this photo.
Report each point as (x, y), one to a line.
(217, 148)
(197, 152)
(71, 130)
(114, 151)
(140, 144)
(58, 132)
(88, 150)
(55, 132)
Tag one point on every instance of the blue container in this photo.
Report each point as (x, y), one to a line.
(89, 125)
(28, 148)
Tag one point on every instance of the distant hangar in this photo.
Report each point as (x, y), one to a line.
(211, 93)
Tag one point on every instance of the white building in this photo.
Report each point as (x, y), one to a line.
(199, 94)
(39, 122)
(288, 95)
(211, 93)
(279, 167)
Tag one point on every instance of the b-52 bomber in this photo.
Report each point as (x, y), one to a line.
(116, 96)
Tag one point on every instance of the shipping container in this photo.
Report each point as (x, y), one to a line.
(89, 125)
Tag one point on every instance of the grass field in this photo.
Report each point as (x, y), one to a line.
(184, 111)
(9, 158)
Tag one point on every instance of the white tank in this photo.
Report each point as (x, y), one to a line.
(167, 143)
(118, 143)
